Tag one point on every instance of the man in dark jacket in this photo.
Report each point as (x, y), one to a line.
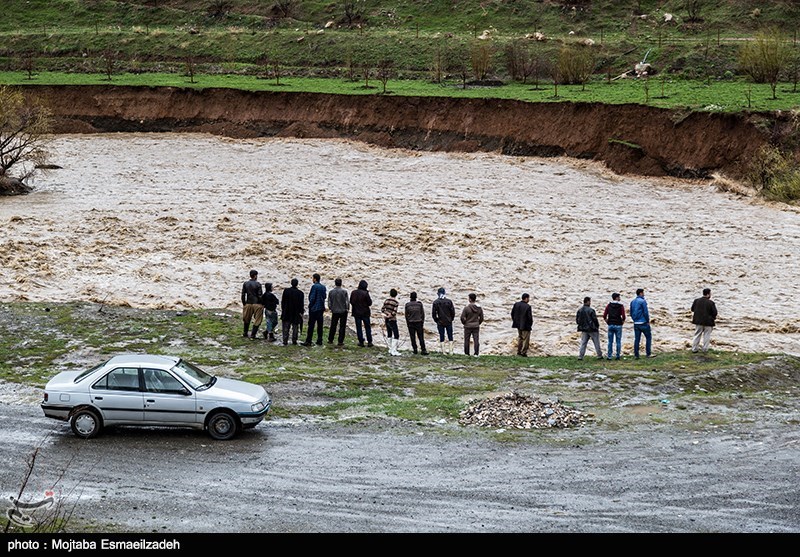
(704, 317)
(471, 318)
(360, 302)
(522, 321)
(251, 300)
(589, 326)
(415, 318)
(614, 316)
(339, 304)
(270, 302)
(292, 308)
(443, 313)
(316, 309)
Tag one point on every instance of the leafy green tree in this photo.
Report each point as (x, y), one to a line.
(764, 58)
(575, 65)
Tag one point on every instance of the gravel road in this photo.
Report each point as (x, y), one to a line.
(290, 477)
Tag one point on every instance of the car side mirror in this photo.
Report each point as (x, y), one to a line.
(186, 392)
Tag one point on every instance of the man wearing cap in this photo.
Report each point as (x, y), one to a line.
(251, 300)
(443, 313)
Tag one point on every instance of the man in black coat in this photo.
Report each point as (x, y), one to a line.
(360, 302)
(292, 308)
(522, 321)
(704, 317)
(589, 327)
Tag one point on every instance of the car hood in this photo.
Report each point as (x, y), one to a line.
(62, 380)
(233, 389)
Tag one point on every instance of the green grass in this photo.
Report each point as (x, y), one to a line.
(723, 96)
(38, 340)
(150, 42)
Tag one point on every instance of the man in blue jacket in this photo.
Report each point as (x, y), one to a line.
(316, 309)
(641, 324)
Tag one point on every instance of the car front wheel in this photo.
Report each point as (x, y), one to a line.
(85, 423)
(222, 426)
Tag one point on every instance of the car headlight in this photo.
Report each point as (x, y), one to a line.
(258, 406)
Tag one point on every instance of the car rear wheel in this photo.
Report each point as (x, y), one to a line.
(222, 426)
(85, 423)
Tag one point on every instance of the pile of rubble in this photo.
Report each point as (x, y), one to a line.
(518, 411)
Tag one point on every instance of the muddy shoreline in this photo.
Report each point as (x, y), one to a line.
(629, 139)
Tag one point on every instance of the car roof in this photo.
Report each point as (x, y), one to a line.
(143, 359)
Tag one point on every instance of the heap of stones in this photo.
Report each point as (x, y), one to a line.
(517, 411)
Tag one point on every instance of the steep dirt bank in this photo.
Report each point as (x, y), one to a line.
(629, 138)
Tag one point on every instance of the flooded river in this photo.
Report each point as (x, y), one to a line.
(177, 221)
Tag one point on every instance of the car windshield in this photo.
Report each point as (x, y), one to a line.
(195, 376)
(88, 372)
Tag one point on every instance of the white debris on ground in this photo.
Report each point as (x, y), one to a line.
(17, 393)
(517, 411)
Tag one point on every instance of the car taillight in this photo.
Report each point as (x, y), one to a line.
(45, 397)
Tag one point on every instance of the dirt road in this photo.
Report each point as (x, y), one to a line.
(285, 477)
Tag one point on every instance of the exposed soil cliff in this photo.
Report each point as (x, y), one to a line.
(630, 138)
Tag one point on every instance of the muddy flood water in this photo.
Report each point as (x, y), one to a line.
(177, 220)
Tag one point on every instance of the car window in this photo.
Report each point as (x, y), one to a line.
(119, 379)
(88, 372)
(192, 374)
(160, 381)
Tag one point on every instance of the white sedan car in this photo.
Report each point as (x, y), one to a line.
(140, 389)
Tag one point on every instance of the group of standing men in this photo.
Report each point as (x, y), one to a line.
(261, 304)
(704, 314)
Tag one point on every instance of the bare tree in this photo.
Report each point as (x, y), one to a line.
(27, 63)
(366, 71)
(458, 65)
(353, 11)
(219, 8)
(555, 75)
(285, 9)
(693, 9)
(793, 71)
(385, 71)
(481, 58)
(438, 65)
(515, 53)
(24, 129)
(110, 57)
(190, 64)
(764, 58)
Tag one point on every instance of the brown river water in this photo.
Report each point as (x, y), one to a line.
(177, 221)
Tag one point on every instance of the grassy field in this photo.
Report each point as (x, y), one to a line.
(416, 43)
(717, 96)
(361, 384)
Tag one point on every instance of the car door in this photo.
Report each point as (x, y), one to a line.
(118, 395)
(167, 401)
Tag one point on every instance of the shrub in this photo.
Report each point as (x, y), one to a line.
(775, 174)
